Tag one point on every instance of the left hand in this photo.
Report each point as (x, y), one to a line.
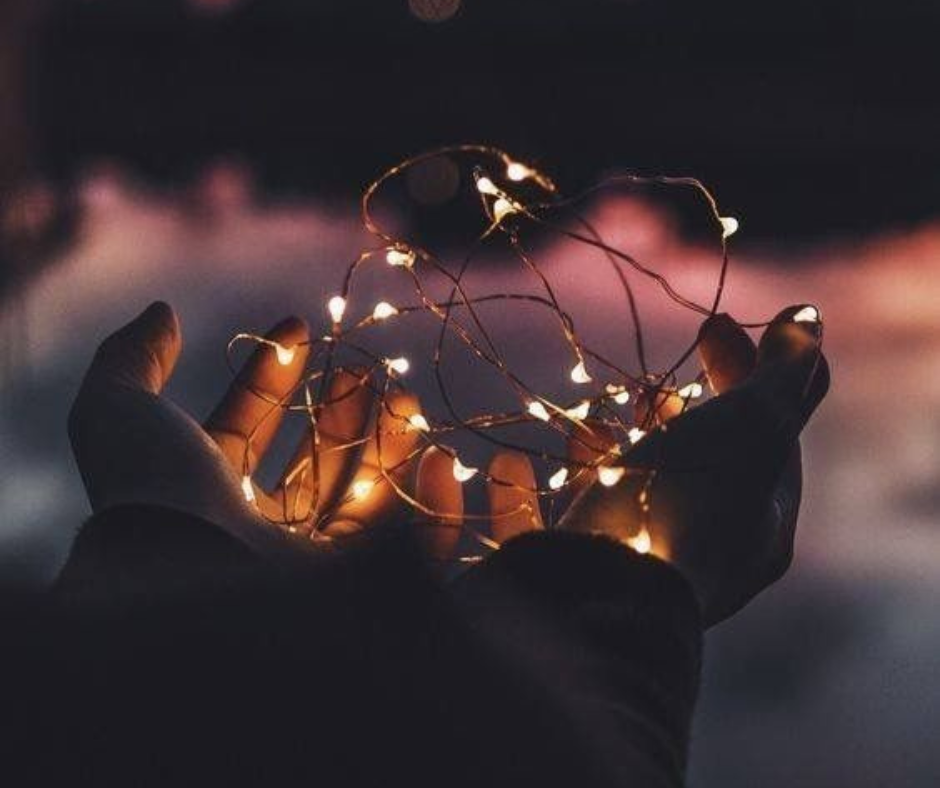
(134, 446)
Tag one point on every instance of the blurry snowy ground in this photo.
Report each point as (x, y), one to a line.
(831, 678)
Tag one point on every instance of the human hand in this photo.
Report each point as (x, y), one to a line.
(134, 446)
(726, 492)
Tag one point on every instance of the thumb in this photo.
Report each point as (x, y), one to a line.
(141, 355)
(792, 374)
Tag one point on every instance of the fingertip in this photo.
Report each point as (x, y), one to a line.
(514, 505)
(292, 330)
(513, 466)
(794, 332)
(791, 368)
(727, 353)
(436, 489)
(143, 353)
(160, 314)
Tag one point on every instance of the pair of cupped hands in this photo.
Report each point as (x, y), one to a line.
(724, 501)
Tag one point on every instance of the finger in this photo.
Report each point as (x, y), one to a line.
(792, 374)
(727, 352)
(391, 446)
(514, 505)
(341, 425)
(586, 446)
(668, 405)
(437, 490)
(142, 354)
(249, 414)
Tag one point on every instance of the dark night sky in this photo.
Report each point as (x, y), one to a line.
(817, 114)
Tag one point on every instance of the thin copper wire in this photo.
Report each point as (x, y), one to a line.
(425, 264)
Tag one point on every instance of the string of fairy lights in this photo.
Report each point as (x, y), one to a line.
(596, 420)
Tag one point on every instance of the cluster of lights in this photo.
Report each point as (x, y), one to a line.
(619, 386)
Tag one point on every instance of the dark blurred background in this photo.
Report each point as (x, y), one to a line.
(211, 152)
(824, 109)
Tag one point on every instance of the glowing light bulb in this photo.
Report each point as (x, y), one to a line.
(383, 310)
(486, 186)
(580, 411)
(462, 473)
(691, 391)
(361, 488)
(641, 542)
(557, 480)
(248, 489)
(808, 314)
(538, 410)
(610, 476)
(579, 373)
(284, 354)
(418, 422)
(729, 226)
(397, 257)
(618, 394)
(636, 435)
(400, 365)
(336, 306)
(502, 208)
(517, 172)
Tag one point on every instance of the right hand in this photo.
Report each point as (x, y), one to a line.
(728, 480)
(726, 495)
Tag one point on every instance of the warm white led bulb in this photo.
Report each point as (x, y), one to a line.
(729, 226)
(502, 208)
(641, 542)
(462, 473)
(579, 373)
(397, 257)
(486, 186)
(580, 411)
(618, 394)
(557, 480)
(517, 172)
(636, 435)
(336, 306)
(538, 410)
(383, 310)
(610, 476)
(400, 365)
(808, 314)
(691, 391)
(248, 489)
(285, 355)
(361, 488)
(418, 422)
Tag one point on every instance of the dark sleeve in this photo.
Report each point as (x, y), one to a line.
(611, 641)
(131, 553)
(560, 659)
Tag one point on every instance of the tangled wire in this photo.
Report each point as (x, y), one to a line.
(513, 197)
